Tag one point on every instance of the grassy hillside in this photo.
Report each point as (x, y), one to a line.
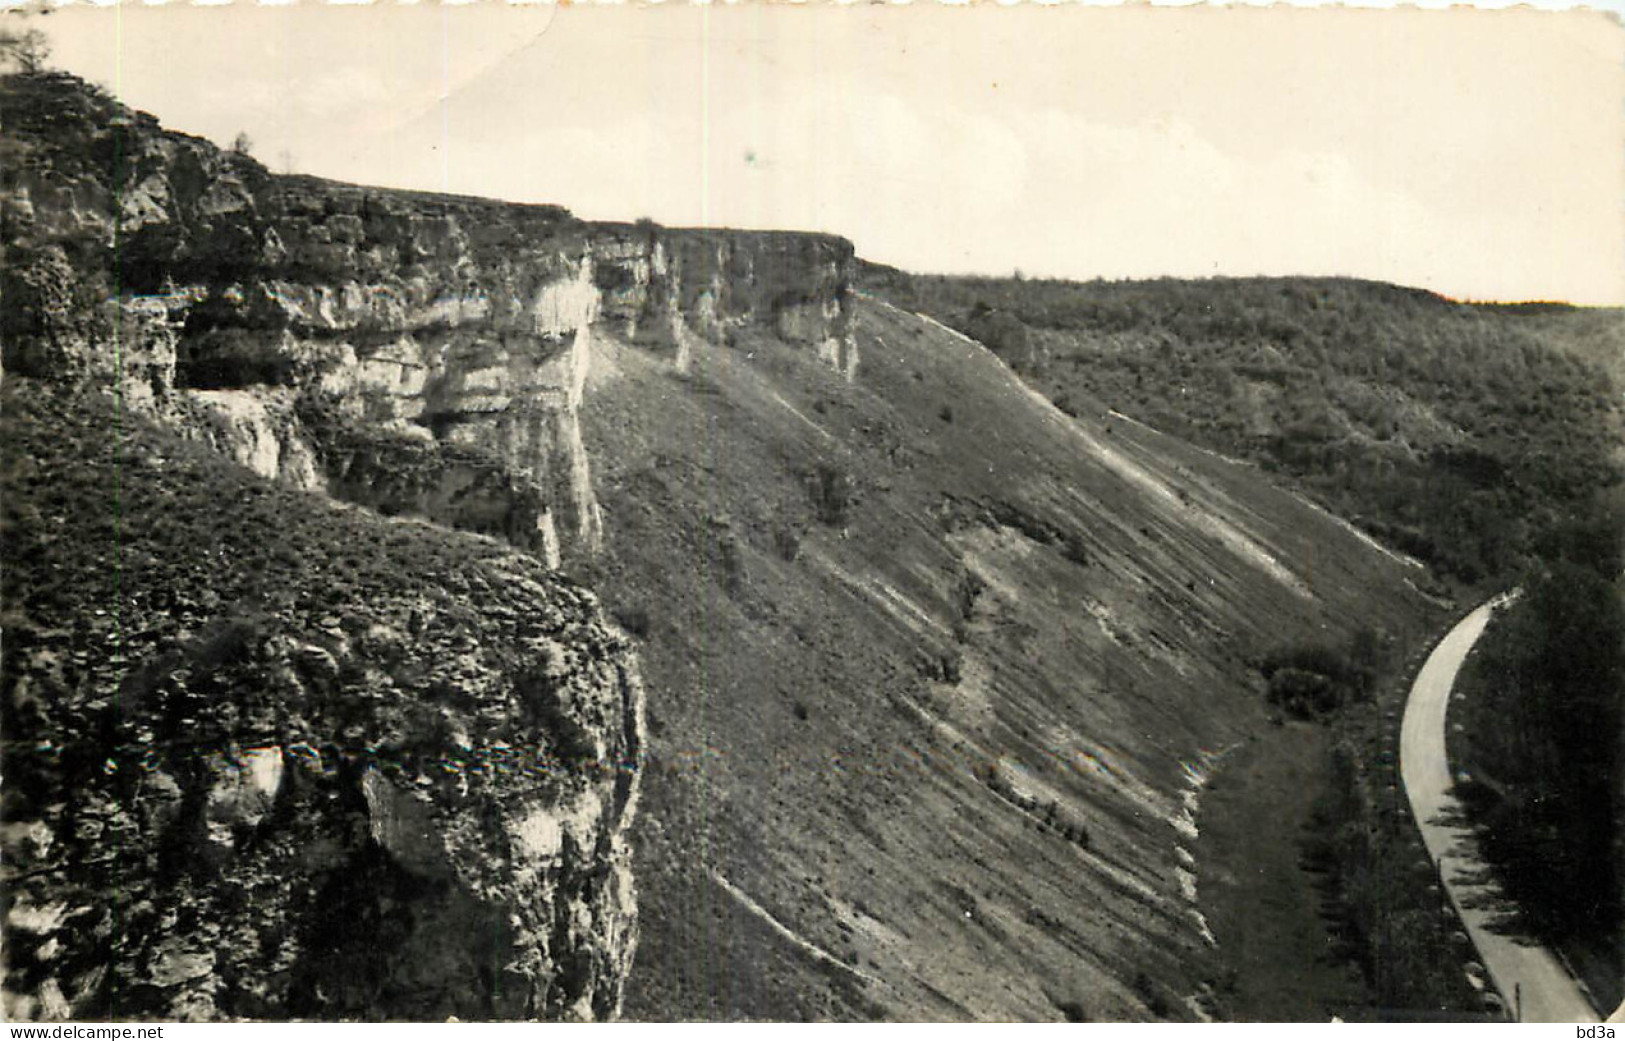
(932, 667)
(1456, 432)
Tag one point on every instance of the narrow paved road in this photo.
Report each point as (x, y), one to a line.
(1548, 993)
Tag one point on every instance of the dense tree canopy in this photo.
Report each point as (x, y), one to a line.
(1546, 748)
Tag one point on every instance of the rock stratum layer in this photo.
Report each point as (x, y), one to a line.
(418, 354)
(269, 755)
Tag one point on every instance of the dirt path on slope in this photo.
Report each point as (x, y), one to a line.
(1278, 961)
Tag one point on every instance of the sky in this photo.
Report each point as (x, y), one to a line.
(1477, 153)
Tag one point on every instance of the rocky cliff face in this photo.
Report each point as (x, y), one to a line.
(270, 755)
(414, 353)
(290, 759)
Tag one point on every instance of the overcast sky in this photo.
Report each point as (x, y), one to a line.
(1472, 152)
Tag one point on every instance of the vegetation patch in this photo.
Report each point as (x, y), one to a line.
(1314, 680)
(1456, 432)
(1542, 717)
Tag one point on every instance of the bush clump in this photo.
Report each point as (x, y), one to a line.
(1313, 680)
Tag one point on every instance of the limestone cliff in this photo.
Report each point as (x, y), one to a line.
(288, 759)
(268, 755)
(420, 354)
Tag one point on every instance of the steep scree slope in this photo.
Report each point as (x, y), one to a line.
(271, 757)
(937, 673)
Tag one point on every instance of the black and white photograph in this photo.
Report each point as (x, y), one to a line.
(841, 512)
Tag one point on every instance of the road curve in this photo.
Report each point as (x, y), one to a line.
(1523, 972)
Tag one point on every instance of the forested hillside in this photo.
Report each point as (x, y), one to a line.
(1455, 432)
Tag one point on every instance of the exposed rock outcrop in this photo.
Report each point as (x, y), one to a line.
(198, 281)
(292, 760)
